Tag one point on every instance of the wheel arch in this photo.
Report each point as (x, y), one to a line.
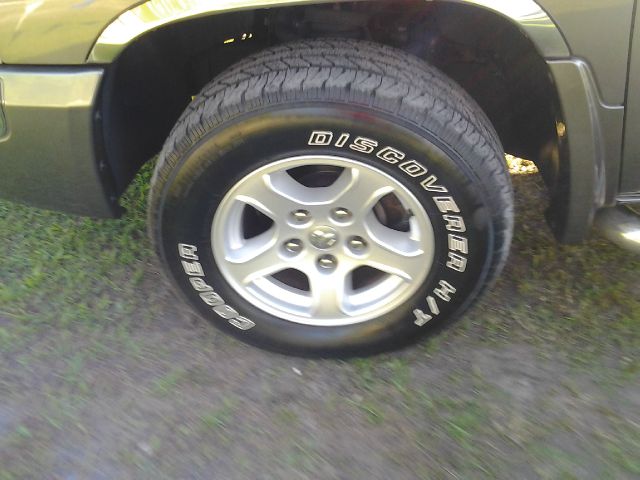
(153, 14)
(498, 51)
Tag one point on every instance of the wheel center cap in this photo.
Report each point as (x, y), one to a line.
(323, 237)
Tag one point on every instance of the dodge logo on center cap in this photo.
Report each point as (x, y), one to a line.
(323, 237)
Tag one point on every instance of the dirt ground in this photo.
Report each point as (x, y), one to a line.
(104, 374)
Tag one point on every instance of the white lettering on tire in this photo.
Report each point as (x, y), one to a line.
(211, 298)
(342, 140)
(321, 139)
(446, 204)
(445, 290)
(193, 268)
(242, 323)
(187, 252)
(458, 243)
(390, 155)
(195, 272)
(364, 145)
(455, 223)
(421, 317)
(456, 262)
(412, 168)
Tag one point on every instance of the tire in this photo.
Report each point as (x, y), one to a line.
(244, 197)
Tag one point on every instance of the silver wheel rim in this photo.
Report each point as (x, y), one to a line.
(336, 235)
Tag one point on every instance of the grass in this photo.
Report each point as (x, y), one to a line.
(80, 265)
(104, 372)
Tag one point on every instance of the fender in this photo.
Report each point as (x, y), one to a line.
(152, 14)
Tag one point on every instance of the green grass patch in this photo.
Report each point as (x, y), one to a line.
(61, 271)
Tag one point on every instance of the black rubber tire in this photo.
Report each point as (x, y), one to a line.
(264, 109)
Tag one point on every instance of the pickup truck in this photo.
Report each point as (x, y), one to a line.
(330, 176)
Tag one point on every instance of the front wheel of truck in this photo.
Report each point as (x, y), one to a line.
(332, 198)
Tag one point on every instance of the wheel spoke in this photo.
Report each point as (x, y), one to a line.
(392, 251)
(273, 194)
(327, 293)
(359, 190)
(256, 257)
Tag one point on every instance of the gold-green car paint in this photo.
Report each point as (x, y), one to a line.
(53, 32)
(598, 32)
(49, 116)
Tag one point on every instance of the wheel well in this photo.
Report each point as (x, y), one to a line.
(155, 77)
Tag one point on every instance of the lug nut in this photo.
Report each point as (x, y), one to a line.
(357, 244)
(293, 246)
(327, 263)
(301, 216)
(340, 214)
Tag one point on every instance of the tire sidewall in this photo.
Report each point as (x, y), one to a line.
(227, 153)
